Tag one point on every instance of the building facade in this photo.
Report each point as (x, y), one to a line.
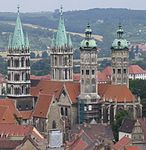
(88, 108)
(61, 54)
(120, 56)
(18, 86)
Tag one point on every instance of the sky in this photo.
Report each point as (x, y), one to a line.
(51, 5)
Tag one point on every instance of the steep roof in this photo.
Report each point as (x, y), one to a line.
(127, 125)
(135, 69)
(131, 148)
(122, 143)
(73, 90)
(10, 104)
(55, 88)
(42, 106)
(12, 130)
(113, 92)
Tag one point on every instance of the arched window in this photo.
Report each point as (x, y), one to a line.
(55, 61)
(8, 62)
(16, 77)
(54, 124)
(16, 63)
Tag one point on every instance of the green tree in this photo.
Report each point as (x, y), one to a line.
(120, 116)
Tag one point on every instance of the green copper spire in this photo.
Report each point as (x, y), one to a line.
(120, 43)
(18, 36)
(69, 41)
(88, 42)
(61, 37)
(10, 41)
(27, 41)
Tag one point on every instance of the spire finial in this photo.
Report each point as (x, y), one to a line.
(61, 10)
(18, 8)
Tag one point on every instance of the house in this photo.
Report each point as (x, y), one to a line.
(126, 128)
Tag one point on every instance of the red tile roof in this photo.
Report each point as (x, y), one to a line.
(135, 69)
(15, 130)
(73, 90)
(6, 115)
(46, 77)
(107, 71)
(120, 145)
(113, 92)
(76, 77)
(131, 148)
(55, 88)
(101, 77)
(26, 114)
(11, 105)
(43, 105)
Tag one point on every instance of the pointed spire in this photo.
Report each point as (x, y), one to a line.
(27, 41)
(53, 41)
(69, 41)
(10, 41)
(61, 37)
(18, 36)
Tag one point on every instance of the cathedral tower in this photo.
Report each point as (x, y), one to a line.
(61, 54)
(18, 86)
(120, 59)
(89, 97)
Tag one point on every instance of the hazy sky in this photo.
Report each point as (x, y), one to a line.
(50, 5)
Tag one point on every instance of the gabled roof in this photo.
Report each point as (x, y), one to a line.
(73, 90)
(15, 130)
(127, 126)
(135, 69)
(122, 143)
(43, 105)
(55, 88)
(48, 87)
(10, 104)
(6, 115)
(113, 93)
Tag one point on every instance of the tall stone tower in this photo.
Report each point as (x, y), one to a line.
(120, 59)
(61, 54)
(18, 86)
(88, 100)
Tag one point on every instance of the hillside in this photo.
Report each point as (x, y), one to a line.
(40, 26)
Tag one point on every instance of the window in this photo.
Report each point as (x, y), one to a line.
(93, 72)
(85, 108)
(90, 107)
(54, 124)
(82, 72)
(62, 111)
(87, 72)
(113, 71)
(66, 112)
(124, 71)
(119, 71)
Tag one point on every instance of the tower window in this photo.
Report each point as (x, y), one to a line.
(113, 71)
(62, 111)
(93, 72)
(87, 72)
(82, 72)
(124, 71)
(119, 71)
(90, 107)
(66, 112)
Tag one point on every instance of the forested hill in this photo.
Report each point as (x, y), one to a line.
(103, 21)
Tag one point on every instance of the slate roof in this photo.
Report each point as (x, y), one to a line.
(127, 125)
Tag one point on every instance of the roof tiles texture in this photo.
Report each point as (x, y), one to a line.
(121, 144)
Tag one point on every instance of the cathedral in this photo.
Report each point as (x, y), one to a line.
(60, 103)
